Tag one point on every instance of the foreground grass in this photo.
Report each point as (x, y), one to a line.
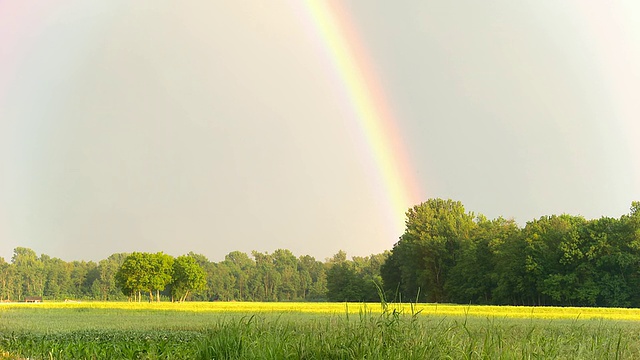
(294, 331)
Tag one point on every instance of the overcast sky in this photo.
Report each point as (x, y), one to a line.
(217, 126)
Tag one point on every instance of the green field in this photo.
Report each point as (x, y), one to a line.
(313, 331)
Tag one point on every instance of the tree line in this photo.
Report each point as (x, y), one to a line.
(140, 276)
(449, 255)
(446, 254)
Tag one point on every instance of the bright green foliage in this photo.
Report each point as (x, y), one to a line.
(133, 275)
(145, 272)
(188, 276)
(161, 273)
(29, 273)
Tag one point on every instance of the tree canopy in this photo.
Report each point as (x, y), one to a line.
(449, 255)
(446, 254)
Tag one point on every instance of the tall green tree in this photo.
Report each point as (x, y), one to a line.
(286, 264)
(267, 276)
(474, 278)
(368, 273)
(83, 274)
(553, 252)
(242, 269)
(29, 273)
(210, 291)
(188, 276)
(221, 282)
(6, 276)
(107, 288)
(161, 273)
(343, 283)
(357, 279)
(58, 282)
(312, 277)
(133, 276)
(429, 248)
(512, 285)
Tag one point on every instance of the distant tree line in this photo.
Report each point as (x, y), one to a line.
(139, 276)
(446, 254)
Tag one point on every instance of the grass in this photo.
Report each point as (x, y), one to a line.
(313, 331)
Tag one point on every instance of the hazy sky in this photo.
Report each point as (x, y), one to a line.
(216, 126)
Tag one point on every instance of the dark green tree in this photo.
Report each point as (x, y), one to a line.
(312, 277)
(343, 283)
(428, 249)
(267, 276)
(474, 278)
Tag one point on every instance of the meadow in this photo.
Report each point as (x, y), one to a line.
(251, 330)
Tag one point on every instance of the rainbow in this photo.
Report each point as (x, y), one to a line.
(366, 96)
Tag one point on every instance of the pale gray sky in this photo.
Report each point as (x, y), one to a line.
(218, 126)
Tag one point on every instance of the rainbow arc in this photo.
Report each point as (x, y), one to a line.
(372, 112)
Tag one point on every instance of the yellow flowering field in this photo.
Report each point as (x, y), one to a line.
(352, 308)
(289, 330)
